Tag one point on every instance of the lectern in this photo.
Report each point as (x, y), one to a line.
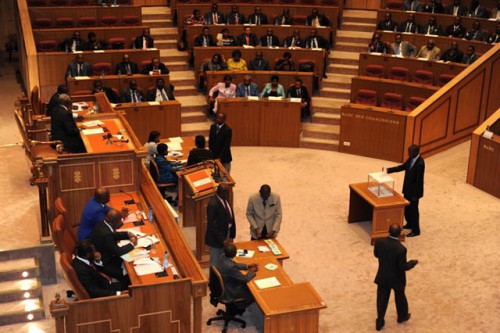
(199, 183)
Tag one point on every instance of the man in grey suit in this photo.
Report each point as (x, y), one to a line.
(402, 48)
(264, 213)
(79, 67)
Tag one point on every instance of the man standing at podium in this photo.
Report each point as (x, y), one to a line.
(413, 187)
(264, 213)
(219, 141)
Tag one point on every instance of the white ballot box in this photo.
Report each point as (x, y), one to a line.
(380, 184)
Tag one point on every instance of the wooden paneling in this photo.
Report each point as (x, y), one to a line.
(469, 105)
(243, 120)
(383, 132)
(150, 3)
(102, 33)
(362, 4)
(435, 125)
(76, 177)
(493, 99)
(117, 173)
(489, 4)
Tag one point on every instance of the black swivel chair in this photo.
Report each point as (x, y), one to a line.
(162, 187)
(216, 285)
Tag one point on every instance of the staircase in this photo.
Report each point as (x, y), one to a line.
(20, 292)
(353, 37)
(193, 104)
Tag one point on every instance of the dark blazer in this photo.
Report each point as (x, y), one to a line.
(413, 185)
(274, 41)
(168, 91)
(322, 43)
(379, 47)
(110, 94)
(231, 18)
(253, 90)
(479, 35)
(97, 45)
(494, 38)
(149, 41)
(288, 42)
(220, 143)
(122, 68)
(304, 94)
(73, 69)
(457, 56)
(209, 20)
(462, 10)
(197, 155)
(413, 28)
(436, 8)
(323, 20)
(252, 18)
(387, 25)
(434, 29)
(235, 282)
(198, 41)
(66, 45)
(95, 284)
(127, 95)
(255, 65)
(392, 263)
(53, 102)
(481, 12)
(469, 59)
(288, 20)
(149, 67)
(218, 222)
(241, 40)
(459, 33)
(63, 127)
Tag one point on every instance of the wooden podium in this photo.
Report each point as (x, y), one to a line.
(199, 183)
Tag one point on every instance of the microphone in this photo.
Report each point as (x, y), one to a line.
(127, 202)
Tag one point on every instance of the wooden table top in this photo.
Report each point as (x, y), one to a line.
(254, 246)
(96, 144)
(392, 201)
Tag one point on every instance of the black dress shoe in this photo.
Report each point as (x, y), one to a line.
(406, 226)
(411, 234)
(402, 320)
(379, 324)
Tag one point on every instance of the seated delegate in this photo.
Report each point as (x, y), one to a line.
(199, 153)
(167, 169)
(273, 89)
(226, 89)
(247, 87)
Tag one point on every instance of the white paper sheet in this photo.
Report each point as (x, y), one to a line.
(177, 139)
(92, 123)
(174, 146)
(242, 254)
(202, 182)
(263, 248)
(92, 131)
(267, 283)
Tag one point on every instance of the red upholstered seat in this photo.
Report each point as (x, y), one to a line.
(65, 22)
(424, 77)
(413, 102)
(394, 5)
(299, 19)
(444, 79)
(116, 43)
(131, 20)
(374, 71)
(305, 61)
(392, 101)
(43, 22)
(109, 21)
(87, 21)
(102, 68)
(398, 73)
(367, 97)
(47, 46)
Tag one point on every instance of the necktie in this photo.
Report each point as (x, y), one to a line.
(246, 91)
(408, 27)
(315, 43)
(218, 129)
(129, 71)
(236, 21)
(293, 42)
(387, 24)
(298, 93)
(144, 43)
(283, 21)
(79, 70)
(228, 209)
(259, 64)
(101, 274)
(475, 35)
(269, 42)
(264, 202)
(398, 50)
(429, 30)
(204, 41)
(73, 46)
(163, 95)
(257, 21)
(134, 98)
(214, 18)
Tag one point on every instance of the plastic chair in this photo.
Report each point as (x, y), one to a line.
(367, 97)
(413, 102)
(47, 46)
(102, 67)
(392, 101)
(398, 73)
(375, 71)
(424, 77)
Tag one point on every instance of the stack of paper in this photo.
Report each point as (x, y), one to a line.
(263, 248)
(146, 266)
(267, 283)
(92, 131)
(135, 254)
(242, 254)
(142, 241)
(92, 123)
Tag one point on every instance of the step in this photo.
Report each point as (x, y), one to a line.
(328, 105)
(20, 289)
(185, 90)
(193, 103)
(351, 47)
(157, 23)
(343, 69)
(336, 93)
(153, 10)
(320, 131)
(354, 36)
(159, 16)
(165, 44)
(174, 55)
(15, 269)
(182, 78)
(326, 118)
(357, 26)
(21, 311)
(323, 144)
(367, 14)
(345, 58)
(161, 33)
(193, 117)
(337, 81)
(350, 19)
(200, 128)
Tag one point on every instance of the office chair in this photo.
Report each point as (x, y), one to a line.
(216, 285)
(162, 187)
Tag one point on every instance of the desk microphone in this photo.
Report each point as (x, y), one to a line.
(127, 202)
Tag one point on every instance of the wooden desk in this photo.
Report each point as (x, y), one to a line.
(365, 206)
(383, 132)
(102, 33)
(382, 86)
(281, 32)
(486, 3)
(96, 144)
(263, 122)
(203, 53)
(388, 61)
(145, 117)
(52, 66)
(118, 82)
(443, 42)
(261, 78)
(253, 245)
(290, 307)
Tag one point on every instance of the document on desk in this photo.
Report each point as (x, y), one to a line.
(174, 146)
(241, 253)
(143, 241)
(201, 182)
(135, 254)
(146, 266)
(92, 123)
(267, 283)
(92, 131)
(263, 248)
(136, 231)
(130, 218)
(177, 139)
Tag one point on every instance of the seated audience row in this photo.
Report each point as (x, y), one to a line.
(457, 8)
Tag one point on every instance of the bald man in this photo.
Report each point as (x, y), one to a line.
(63, 126)
(264, 213)
(94, 211)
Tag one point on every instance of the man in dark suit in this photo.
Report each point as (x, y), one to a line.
(269, 39)
(476, 10)
(214, 16)
(300, 91)
(126, 66)
(235, 17)
(412, 6)
(89, 270)
(387, 24)
(93, 43)
(316, 19)
(199, 153)
(434, 6)
(63, 126)
(79, 67)
(402, 48)
(160, 92)
(205, 39)
(391, 274)
(235, 282)
(106, 238)
(409, 25)
(110, 94)
(453, 54)
(313, 42)
(413, 187)
(132, 94)
(476, 33)
(247, 38)
(257, 17)
(456, 29)
(432, 27)
(219, 141)
(155, 65)
(284, 18)
(54, 100)
(247, 87)
(144, 41)
(470, 56)
(221, 225)
(456, 9)
(259, 63)
(294, 40)
(495, 37)
(73, 44)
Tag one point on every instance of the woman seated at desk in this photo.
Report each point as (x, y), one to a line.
(224, 39)
(273, 89)
(225, 89)
(166, 169)
(236, 63)
(286, 63)
(216, 64)
(153, 140)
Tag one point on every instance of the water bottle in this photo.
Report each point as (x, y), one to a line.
(165, 261)
(150, 215)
